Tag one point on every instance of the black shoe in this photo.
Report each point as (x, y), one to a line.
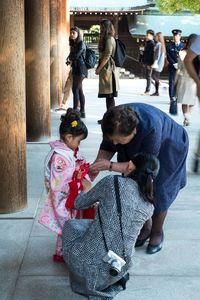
(140, 243)
(99, 122)
(196, 167)
(83, 114)
(123, 281)
(152, 249)
(155, 94)
(173, 107)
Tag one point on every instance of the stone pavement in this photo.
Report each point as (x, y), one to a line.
(26, 268)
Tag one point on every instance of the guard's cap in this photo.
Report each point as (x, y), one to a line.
(176, 31)
(150, 31)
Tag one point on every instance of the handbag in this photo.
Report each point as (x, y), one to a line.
(124, 278)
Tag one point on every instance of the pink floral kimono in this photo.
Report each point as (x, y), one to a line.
(60, 165)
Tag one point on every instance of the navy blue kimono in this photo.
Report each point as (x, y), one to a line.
(160, 135)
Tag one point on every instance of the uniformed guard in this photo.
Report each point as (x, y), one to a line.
(172, 56)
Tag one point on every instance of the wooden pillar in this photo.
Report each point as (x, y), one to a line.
(12, 107)
(37, 35)
(71, 21)
(65, 39)
(56, 52)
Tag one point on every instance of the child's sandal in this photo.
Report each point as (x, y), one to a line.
(58, 258)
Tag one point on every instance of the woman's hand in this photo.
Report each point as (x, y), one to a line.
(130, 168)
(86, 185)
(98, 70)
(100, 165)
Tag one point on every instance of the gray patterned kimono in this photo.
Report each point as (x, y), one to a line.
(83, 244)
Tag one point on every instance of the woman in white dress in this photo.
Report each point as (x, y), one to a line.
(186, 89)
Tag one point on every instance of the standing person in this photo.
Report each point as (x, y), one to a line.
(193, 54)
(132, 128)
(94, 271)
(79, 70)
(172, 56)
(148, 58)
(185, 85)
(107, 71)
(60, 165)
(159, 60)
(67, 91)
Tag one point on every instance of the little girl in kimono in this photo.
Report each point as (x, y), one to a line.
(64, 170)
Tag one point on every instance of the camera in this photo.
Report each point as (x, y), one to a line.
(116, 262)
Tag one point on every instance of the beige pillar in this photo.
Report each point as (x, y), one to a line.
(56, 52)
(12, 107)
(37, 35)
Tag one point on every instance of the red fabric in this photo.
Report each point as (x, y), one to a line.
(75, 186)
(58, 258)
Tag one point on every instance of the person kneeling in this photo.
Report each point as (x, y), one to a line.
(98, 252)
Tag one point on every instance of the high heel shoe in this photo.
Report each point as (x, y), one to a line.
(123, 281)
(152, 249)
(155, 94)
(186, 122)
(140, 243)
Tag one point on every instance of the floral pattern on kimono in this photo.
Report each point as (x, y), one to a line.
(60, 165)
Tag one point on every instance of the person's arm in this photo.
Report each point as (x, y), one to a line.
(85, 200)
(170, 58)
(61, 173)
(188, 61)
(157, 54)
(78, 50)
(103, 163)
(107, 55)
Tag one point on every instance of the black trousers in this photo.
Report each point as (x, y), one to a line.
(77, 90)
(148, 73)
(172, 89)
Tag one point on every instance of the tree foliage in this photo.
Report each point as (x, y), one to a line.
(173, 6)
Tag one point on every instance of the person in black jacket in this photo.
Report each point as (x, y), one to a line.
(148, 58)
(79, 70)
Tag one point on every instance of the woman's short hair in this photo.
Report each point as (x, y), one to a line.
(119, 120)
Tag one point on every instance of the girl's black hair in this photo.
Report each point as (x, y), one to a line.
(119, 120)
(147, 168)
(71, 123)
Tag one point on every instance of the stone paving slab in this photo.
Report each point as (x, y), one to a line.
(161, 288)
(14, 236)
(180, 258)
(38, 258)
(44, 288)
